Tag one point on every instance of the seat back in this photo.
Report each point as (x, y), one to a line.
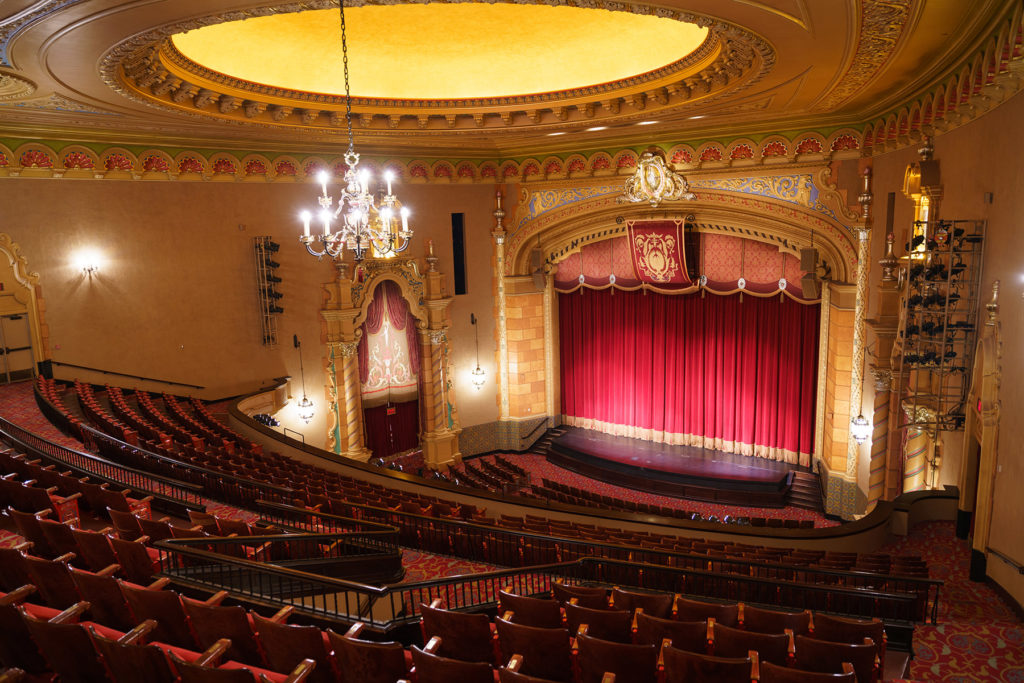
(773, 621)
(827, 657)
(772, 673)
(690, 667)
(630, 663)
(53, 579)
(654, 604)
(30, 530)
(210, 623)
(691, 636)
(846, 630)
(156, 529)
(136, 563)
(695, 610)
(463, 636)
(190, 672)
(13, 570)
(545, 651)
(530, 611)
(129, 663)
(286, 645)
(17, 649)
(732, 642)
(68, 650)
(125, 524)
(58, 536)
(363, 661)
(432, 668)
(107, 605)
(166, 609)
(593, 597)
(94, 549)
(615, 625)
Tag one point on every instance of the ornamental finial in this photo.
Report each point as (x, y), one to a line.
(889, 262)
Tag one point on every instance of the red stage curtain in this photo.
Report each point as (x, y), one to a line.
(715, 371)
(390, 434)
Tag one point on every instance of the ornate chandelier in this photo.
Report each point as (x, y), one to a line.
(654, 182)
(362, 221)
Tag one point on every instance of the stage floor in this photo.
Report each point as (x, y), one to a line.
(681, 471)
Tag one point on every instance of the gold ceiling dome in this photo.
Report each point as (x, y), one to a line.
(426, 70)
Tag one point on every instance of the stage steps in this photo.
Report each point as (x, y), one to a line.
(805, 492)
(543, 444)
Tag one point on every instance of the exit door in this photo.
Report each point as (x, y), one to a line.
(15, 348)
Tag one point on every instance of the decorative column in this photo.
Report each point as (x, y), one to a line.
(437, 399)
(499, 268)
(918, 449)
(886, 329)
(863, 232)
(345, 435)
(879, 435)
(550, 380)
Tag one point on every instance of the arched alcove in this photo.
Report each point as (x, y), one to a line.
(21, 299)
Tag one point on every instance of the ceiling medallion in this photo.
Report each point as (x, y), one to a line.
(14, 87)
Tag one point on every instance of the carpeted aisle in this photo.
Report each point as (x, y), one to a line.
(978, 638)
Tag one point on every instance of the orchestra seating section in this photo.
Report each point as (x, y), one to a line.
(99, 590)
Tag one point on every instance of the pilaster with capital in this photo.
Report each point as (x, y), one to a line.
(863, 232)
(885, 422)
(439, 418)
(500, 302)
(342, 337)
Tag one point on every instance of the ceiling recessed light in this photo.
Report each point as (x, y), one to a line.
(698, 116)
(591, 130)
(646, 123)
(561, 132)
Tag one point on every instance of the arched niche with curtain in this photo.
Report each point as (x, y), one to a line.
(389, 371)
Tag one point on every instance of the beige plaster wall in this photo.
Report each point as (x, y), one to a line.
(978, 158)
(176, 298)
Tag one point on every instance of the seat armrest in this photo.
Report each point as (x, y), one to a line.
(433, 646)
(355, 630)
(137, 633)
(109, 570)
(282, 614)
(212, 655)
(66, 557)
(72, 614)
(159, 584)
(515, 663)
(216, 598)
(300, 673)
(19, 594)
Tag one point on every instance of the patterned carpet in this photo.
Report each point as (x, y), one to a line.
(978, 638)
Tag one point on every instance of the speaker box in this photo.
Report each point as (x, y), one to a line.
(808, 260)
(811, 286)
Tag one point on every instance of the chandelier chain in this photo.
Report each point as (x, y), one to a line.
(344, 61)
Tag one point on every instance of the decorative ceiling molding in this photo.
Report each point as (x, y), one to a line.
(148, 68)
(14, 24)
(14, 87)
(882, 23)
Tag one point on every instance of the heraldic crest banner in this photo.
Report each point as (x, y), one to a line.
(658, 253)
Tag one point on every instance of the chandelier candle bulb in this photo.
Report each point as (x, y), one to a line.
(405, 220)
(388, 177)
(322, 177)
(305, 215)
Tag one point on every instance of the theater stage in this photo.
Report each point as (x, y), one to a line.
(679, 471)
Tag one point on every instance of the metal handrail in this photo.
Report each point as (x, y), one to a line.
(510, 547)
(395, 605)
(171, 495)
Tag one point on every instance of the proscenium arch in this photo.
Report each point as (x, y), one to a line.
(370, 286)
(27, 297)
(599, 219)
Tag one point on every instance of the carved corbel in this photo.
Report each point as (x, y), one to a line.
(586, 109)
(204, 98)
(478, 119)
(187, 91)
(422, 120)
(309, 116)
(280, 112)
(337, 118)
(166, 86)
(394, 120)
(612, 106)
(253, 109)
(228, 103)
(366, 120)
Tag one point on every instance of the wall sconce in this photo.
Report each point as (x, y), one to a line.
(860, 428)
(477, 376)
(88, 261)
(306, 410)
